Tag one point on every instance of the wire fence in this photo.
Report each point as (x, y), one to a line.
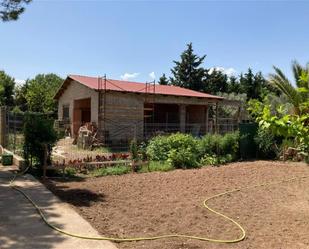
(112, 142)
(14, 132)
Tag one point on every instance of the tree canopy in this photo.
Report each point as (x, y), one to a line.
(215, 82)
(40, 92)
(163, 80)
(298, 96)
(188, 72)
(11, 9)
(7, 84)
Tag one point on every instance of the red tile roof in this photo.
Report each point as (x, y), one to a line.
(136, 87)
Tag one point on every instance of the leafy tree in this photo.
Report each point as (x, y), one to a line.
(298, 96)
(20, 97)
(188, 72)
(11, 9)
(231, 111)
(163, 80)
(292, 128)
(41, 91)
(7, 85)
(38, 131)
(216, 81)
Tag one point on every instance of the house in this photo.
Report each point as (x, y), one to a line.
(123, 110)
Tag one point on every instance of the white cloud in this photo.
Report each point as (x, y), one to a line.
(20, 82)
(152, 75)
(228, 71)
(129, 76)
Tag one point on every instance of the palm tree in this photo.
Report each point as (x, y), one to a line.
(297, 95)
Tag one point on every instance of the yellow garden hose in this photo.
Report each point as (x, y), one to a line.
(238, 239)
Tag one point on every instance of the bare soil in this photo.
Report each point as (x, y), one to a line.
(157, 203)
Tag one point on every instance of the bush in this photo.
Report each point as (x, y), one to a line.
(215, 160)
(208, 159)
(134, 150)
(38, 131)
(179, 150)
(220, 145)
(183, 152)
(209, 144)
(70, 172)
(266, 144)
(182, 158)
(229, 145)
(158, 148)
(142, 151)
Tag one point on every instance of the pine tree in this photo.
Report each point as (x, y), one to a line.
(163, 80)
(215, 82)
(188, 72)
(11, 9)
(233, 85)
(254, 85)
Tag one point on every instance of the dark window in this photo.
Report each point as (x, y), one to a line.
(66, 112)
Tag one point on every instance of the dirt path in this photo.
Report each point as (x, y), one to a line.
(159, 203)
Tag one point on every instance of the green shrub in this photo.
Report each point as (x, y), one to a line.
(179, 150)
(266, 144)
(182, 158)
(208, 159)
(134, 150)
(209, 144)
(158, 148)
(70, 172)
(220, 145)
(38, 131)
(183, 152)
(229, 144)
(142, 151)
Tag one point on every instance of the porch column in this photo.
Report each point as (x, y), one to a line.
(3, 137)
(217, 119)
(207, 119)
(182, 118)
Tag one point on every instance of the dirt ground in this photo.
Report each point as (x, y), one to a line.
(157, 203)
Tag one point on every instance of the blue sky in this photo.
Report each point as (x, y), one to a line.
(140, 37)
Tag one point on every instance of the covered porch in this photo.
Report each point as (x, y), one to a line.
(170, 118)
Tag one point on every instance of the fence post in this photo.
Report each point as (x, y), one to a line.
(182, 114)
(3, 128)
(45, 161)
(217, 119)
(207, 119)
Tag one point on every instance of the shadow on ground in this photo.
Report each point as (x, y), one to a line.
(77, 197)
(20, 226)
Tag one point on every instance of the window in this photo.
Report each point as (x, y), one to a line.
(66, 112)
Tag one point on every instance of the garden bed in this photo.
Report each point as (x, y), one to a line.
(156, 203)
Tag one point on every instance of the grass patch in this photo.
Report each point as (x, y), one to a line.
(121, 169)
(156, 166)
(116, 170)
